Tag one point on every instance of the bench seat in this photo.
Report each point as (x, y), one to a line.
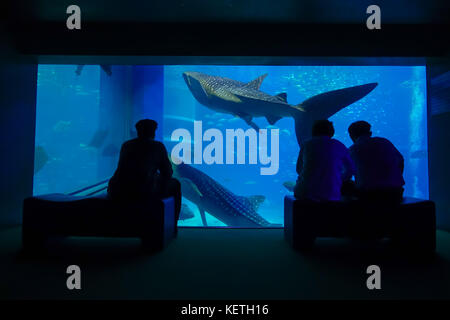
(411, 223)
(62, 215)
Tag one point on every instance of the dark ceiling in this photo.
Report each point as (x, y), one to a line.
(299, 28)
(285, 11)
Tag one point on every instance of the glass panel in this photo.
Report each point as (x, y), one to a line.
(83, 119)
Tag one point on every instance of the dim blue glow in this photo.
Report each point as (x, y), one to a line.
(82, 120)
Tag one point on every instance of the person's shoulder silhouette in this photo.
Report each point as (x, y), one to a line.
(144, 170)
(378, 162)
(140, 161)
(322, 165)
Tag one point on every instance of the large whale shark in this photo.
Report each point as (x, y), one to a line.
(246, 101)
(218, 201)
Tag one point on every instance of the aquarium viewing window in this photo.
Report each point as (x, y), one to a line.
(234, 157)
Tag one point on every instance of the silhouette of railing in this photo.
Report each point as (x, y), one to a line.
(92, 189)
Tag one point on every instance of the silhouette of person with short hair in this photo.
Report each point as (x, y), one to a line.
(144, 169)
(379, 165)
(322, 166)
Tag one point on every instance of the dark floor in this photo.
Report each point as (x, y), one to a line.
(220, 264)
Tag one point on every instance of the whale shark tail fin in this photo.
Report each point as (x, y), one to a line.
(324, 105)
(303, 124)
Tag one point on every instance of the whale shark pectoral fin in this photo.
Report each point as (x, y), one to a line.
(188, 183)
(272, 119)
(203, 216)
(256, 84)
(255, 201)
(207, 91)
(248, 119)
(253, 125)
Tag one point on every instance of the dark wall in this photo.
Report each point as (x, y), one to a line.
(17, 128)
(439, 142)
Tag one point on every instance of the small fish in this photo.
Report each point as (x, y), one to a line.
(79, 69)
(83, 93)
(408, 84)
(105, 67)
(419, 154)
(250, 182)
(216, 115)
(181, 118)
(290, 185)
(62, 126)
(40, 158)
(90, 150)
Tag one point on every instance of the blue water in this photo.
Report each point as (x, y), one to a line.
(71, 109)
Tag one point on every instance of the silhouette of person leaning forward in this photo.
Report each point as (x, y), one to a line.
(379, 166)
(144, 169)
(322, 166)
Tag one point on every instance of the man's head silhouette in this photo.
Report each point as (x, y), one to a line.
(358, 129)
(146, 128)
(323, 128)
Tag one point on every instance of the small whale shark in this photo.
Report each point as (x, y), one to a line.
(246, 101)
(218, 201)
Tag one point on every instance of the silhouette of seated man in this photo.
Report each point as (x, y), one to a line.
(379, 165)
(144, 169)
(322, 166)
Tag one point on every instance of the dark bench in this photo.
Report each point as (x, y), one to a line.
(411, 224)
(61, 215)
